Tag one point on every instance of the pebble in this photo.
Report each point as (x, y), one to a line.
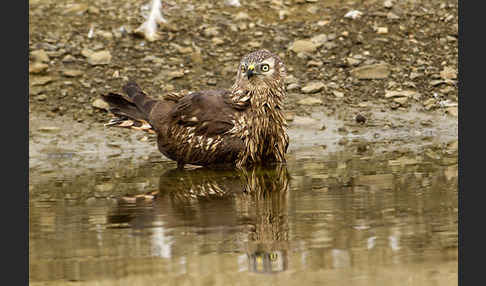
(382, 30)
(303, 46)
(338, 94)
(100, 104)
(37, 67)
(72, 73)
(99, 58)
(217, 41)
(452, 111)
(360, 119)
(313, 87)
(310, 101)
(49, 129)
(375, 71)
(293, 87)
(448, 73)
(41, 80)
(402, 93)
(39, 56)
(175, 74)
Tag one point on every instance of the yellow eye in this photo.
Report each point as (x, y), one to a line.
(265, 68)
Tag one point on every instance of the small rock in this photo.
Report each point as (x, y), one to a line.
(217, 41)
(319, 39)
(39, 56)
(37, 67)
(310, 101)
(302, 120)
(303, 46)
(72, 73)
(314, 64)
(254, 44)
(211, 32)
(448, 73)
(211, 81)
(388, 4)
(392, 16)
(400, 100)
(402, 93)
(293, 86)
(452, 111)
(78, 8)
(313, 87)
(99, 58)
(241, 16)
(42, 80)
(382, 30)
(49, 129)
(175, 74)
(338, 94)
(182, 50)
(360, 119)
(100, 104)
(353, 61)
(68, 59)
(375, 71)
(353, 14)
(343, 141)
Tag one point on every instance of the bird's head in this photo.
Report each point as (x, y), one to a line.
(259, 70)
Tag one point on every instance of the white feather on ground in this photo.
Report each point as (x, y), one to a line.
(148, 29)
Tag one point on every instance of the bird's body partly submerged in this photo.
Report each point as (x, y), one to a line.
(241, 126)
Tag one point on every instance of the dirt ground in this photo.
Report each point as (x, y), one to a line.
(394, 65)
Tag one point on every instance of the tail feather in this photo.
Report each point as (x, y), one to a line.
(132, 111)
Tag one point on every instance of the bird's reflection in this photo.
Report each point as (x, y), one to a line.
(250, 204)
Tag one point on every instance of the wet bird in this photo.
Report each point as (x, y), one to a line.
(241, 126)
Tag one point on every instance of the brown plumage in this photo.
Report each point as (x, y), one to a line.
(240, 126)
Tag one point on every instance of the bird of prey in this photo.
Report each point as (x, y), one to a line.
(241, 126)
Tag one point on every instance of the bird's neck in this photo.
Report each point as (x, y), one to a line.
(266, 137)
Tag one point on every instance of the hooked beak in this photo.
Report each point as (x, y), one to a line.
(250, 71)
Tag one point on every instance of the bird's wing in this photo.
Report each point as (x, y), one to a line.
(207, 111)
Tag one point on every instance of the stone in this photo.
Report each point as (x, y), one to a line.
(319, 39)
(382, 30)
(388, 4)
(353, 61)
(402, 93)
(41, 80)
(39, 56)
(448, 73)
(175, 74)
(72, 73)
(217, 41)
(241, 16)
(310, 101)
(49, 129)
(353, 14)
(452, 111)
(293, 87)
(338, 94)
(313, 87)
(37, 67)
(211, 32)
(303, 46)
(99, 58)
(100, 104)
(400, 100)
(374, 71)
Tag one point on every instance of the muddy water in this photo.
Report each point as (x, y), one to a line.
(353, 217)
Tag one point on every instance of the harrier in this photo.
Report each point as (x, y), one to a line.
(241, 126)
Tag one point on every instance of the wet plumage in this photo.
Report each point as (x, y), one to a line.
(241, 126)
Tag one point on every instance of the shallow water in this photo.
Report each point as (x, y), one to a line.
(355, 217)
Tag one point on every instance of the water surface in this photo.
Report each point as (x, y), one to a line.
(355, 217)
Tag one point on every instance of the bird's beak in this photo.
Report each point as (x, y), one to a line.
(250, 71)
